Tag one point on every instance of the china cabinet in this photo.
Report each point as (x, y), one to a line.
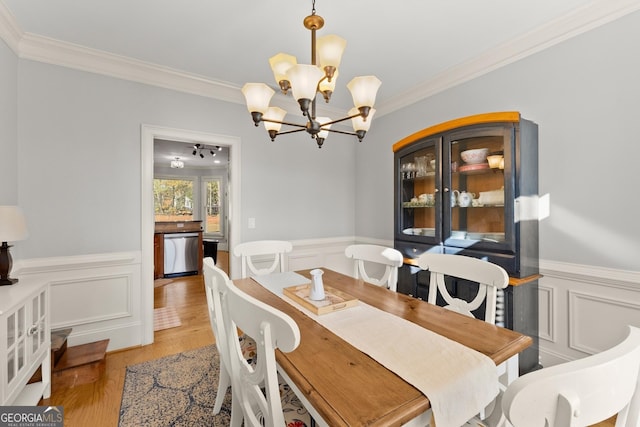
(470, 187)
(25, 338)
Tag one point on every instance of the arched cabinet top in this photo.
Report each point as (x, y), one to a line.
(501, 117)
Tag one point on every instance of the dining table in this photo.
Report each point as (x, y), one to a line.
(342, 385)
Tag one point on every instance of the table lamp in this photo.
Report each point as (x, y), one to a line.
(13, 227)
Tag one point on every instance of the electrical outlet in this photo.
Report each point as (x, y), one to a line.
(252, 223)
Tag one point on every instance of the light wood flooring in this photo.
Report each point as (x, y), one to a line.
(98, 404)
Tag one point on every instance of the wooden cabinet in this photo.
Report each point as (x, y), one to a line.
(158, 256)
(470, 187)
(25, 342)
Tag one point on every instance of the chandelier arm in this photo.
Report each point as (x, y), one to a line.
(340, 120)
(285, 123)
(344, 132)
(290, 131)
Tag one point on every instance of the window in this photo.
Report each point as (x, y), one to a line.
(173, 199)
(213, 206)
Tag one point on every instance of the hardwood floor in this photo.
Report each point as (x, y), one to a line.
(98, 404)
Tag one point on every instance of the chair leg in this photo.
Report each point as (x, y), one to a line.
(223, 385)
(236, 412)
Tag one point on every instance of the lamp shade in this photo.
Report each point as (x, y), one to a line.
(280, 64)
(304, 80)
(273, 113)
(364, 90)
(326, 85)
(258, 96)
(13, 226)
(330, 49)
(358, 122)
(324, 130)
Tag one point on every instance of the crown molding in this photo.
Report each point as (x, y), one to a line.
(9, 30)
(575, 23)
(51, 51)
(38, 48)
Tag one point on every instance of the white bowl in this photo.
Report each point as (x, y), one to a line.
(474, 157)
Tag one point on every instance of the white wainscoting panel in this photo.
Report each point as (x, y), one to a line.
(111, 292)
(546, 316)
(98, 296)
(584, 309)
(591, 333)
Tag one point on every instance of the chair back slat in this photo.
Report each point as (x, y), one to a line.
(390, 258)
(489, 277)
(261, 250)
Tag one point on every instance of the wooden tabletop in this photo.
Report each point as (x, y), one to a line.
(346, 386)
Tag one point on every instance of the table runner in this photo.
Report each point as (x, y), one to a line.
(458, 381)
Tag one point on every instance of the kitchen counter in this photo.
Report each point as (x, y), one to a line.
(178, 226)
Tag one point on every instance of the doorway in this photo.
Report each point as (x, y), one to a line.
(148, 135)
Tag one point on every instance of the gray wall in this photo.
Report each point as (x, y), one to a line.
(8, 126)
(77, 173)
(583, 93)
(79, 163)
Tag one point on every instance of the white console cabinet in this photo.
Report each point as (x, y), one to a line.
(25, 342)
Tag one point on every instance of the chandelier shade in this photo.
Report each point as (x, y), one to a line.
(306, 82)
(258, 96)
(364, 90)
(360, 124)
(280, 64)
(330, 49)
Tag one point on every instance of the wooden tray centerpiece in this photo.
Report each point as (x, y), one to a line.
(334, 299)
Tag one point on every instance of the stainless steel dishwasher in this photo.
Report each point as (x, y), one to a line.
(180, 254)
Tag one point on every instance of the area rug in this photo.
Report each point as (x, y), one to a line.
(165, 318)
(177, 390)
(180, 391)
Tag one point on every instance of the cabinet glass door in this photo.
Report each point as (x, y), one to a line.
(38, 322)
(476, 187)
(419, 180)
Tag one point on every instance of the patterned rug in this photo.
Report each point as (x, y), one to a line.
(180, 391)
(177, 390)
(165, 318)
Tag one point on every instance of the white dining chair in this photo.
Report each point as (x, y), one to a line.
(257, 391)
(262, 251)
(582, 392)
(489, 277)
(214, 281)
(366, 256)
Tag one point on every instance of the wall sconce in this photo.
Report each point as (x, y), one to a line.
(13, 228)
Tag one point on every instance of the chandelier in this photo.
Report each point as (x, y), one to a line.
(306, 82)
(177, 163)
